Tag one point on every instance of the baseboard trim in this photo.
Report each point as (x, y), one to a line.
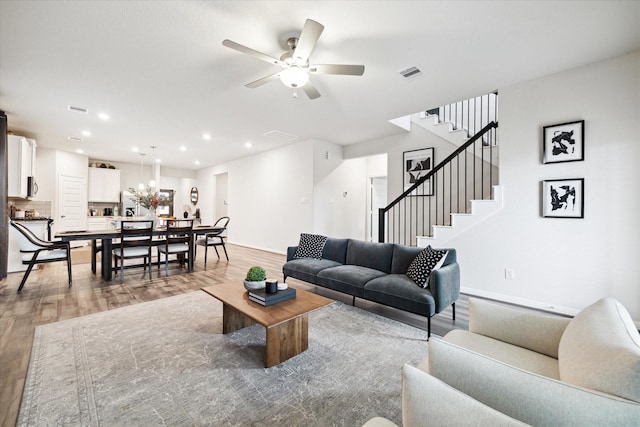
(259, 248)
(522, 302)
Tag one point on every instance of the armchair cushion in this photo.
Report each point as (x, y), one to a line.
(600, 350)
(533, 331)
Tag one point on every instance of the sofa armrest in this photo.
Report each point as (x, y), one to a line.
(530, 330)
(291, 251)
(523, 395)
(428, 401)
(444, 284)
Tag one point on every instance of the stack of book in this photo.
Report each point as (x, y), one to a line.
(261, 296)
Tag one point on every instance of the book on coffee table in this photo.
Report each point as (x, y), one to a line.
(262, 297)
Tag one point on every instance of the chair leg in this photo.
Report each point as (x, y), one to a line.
(26, 273)
(225, 251)
(206, 249)
(69, 263)
(122, 270)
(217, 253)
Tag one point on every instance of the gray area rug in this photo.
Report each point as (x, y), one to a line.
(166, 362)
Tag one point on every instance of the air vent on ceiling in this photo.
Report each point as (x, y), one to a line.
(280, 136)
(75, 138)
(77, 109)
(411, 72)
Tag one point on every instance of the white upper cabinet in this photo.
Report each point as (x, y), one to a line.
(21, 165)
(104, 185)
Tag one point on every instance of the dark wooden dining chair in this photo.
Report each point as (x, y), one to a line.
(38, 251)
(178, 241)
(215, 239)
(136, 238)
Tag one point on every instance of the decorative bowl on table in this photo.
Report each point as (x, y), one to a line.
(252, 286)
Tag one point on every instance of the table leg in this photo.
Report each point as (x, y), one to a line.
(233, 320)
(93, 255)
(106, 260)
(286, 340)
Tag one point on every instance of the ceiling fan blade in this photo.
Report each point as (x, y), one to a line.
(311, 90)
(263, 81)
(343, 69)
(307, 41)
(251, 52)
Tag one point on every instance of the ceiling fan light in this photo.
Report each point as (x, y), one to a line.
(294, 76)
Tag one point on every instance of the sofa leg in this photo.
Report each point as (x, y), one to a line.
(453, 307)
(353, 303)
(428, 327)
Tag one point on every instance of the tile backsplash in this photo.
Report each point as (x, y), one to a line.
(43, 208)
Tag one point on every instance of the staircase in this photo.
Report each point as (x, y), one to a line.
(459, 192)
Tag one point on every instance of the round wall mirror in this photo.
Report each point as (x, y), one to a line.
(194, 195)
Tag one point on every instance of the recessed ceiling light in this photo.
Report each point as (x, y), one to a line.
(206, 136)
(86, 133)
(158, 161)
(183, 148)
(79, 151)
(134, 149)
(103, 116)
(197, 162)
(248, 144)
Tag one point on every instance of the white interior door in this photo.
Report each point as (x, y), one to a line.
(72, 203)
(222, 195)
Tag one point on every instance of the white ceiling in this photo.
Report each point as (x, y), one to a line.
(160, 71)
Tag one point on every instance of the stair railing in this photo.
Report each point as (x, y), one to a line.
(466, 174)
(470, 115)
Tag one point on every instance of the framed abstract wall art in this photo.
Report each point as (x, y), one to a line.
(563, 142)
(416, 164)
(563, 198)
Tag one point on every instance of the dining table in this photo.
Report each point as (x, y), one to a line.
(106, 237)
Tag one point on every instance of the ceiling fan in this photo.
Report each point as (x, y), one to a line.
(295, 62)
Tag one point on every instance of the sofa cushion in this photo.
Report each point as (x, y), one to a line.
(427, 260)
(335, 250)
(310, 246)
(508, 353)
(397, 290)
(347, 278)
(306, 268)
(376, 256)
(402, 257)
(429, 401)
(600, 350)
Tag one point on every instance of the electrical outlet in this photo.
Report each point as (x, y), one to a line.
(509, 274)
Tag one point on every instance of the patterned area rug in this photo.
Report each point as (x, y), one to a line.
(166, 362)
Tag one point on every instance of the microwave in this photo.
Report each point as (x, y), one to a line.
(32, 187)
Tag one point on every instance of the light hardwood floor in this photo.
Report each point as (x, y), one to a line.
(46, 299)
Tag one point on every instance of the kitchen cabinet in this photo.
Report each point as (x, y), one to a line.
(100, 223)
(21, 166)
(104, 185)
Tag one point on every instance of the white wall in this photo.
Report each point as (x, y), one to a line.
(565, 263)
(270, 196)
(559, 264)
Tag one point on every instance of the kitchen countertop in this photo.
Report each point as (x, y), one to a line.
(32, 218)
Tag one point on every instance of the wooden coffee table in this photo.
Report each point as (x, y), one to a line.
(286, 323)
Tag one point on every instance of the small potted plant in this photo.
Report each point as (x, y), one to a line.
(256, 278)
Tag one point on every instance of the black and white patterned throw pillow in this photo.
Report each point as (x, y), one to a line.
(310, 246)
(424, 263)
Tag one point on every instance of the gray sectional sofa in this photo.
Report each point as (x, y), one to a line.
(377, 272)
